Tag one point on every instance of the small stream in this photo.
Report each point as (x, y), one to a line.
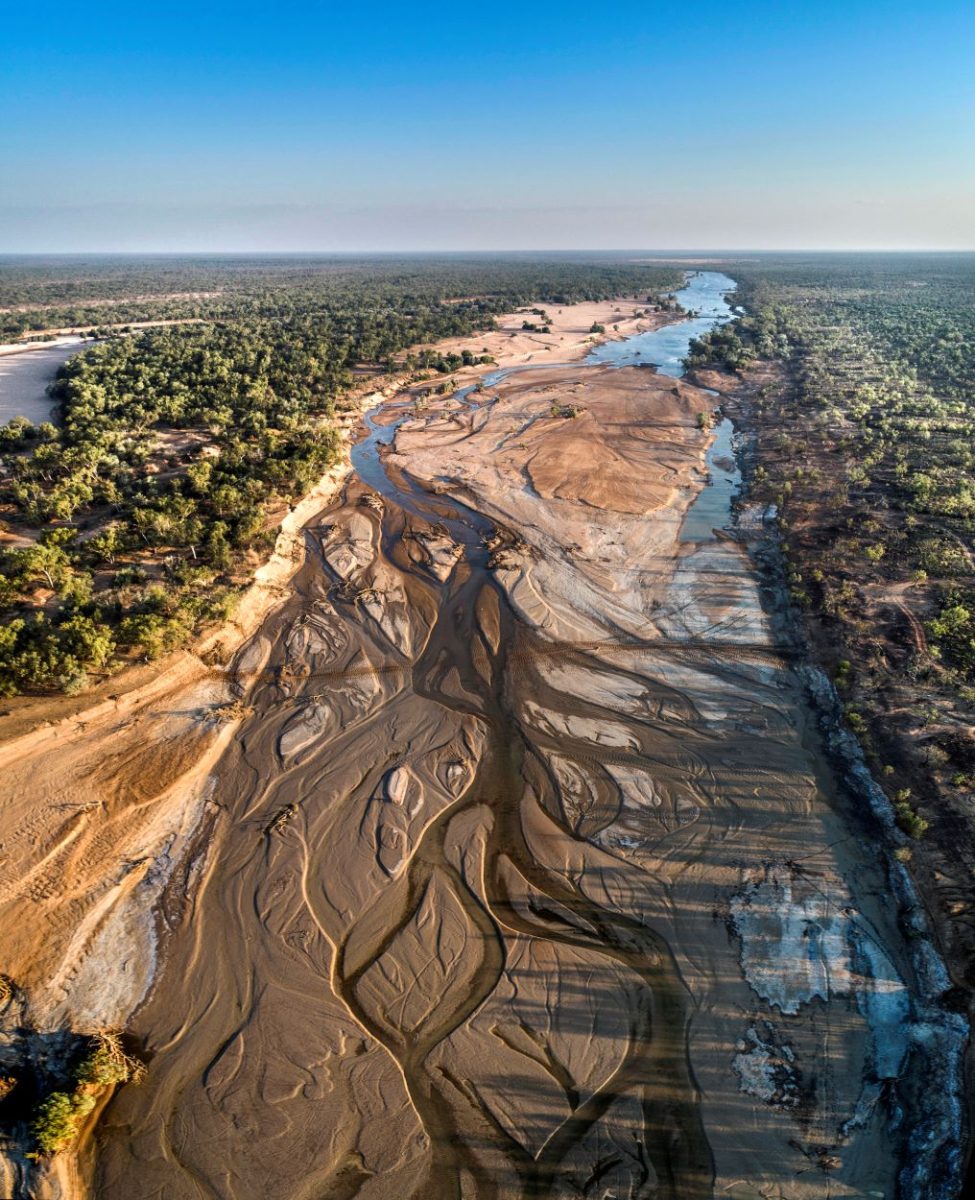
(705, 295)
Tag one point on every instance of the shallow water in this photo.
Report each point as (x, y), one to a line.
(666, 348)
(25, 378)
(712, 507)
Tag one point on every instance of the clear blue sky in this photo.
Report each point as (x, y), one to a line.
(367, 126)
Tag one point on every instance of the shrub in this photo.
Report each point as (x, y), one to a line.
(943, 557)
(856, 721)
(59, 1116)
(910, 820)
(954, 629)
(107, 1063)
(58, 1120)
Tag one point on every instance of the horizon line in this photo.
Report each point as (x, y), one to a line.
(664, 253)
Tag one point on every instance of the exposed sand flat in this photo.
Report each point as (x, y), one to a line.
(137, 810)
(570, 337)
(520, 875)
(525, 879)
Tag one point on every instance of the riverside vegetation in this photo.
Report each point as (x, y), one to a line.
(858, 387)
(138, 515)
(101, 1065)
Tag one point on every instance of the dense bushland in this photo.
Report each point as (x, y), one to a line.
(137, 517)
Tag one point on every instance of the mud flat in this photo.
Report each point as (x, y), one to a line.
(525, 874)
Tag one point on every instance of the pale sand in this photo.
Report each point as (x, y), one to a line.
(570, 338)
(8, 348)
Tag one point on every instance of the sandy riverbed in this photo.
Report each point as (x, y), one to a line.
(101, 792)
(521, 875)
(525, 871)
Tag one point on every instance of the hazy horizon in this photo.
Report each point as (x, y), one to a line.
(690, 254)
(380, 130)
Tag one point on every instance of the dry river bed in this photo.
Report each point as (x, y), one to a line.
(525, 876)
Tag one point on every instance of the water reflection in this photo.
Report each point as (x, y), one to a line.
(666, 348)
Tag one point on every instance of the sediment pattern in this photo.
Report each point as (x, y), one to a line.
(525, 879)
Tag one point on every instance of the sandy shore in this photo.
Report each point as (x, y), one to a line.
(570, 337)
(66, 339)
(70, 335)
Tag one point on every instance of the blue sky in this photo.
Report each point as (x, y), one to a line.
(367, 126)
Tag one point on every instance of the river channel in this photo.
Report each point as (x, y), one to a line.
(25, 377)
(527, 873)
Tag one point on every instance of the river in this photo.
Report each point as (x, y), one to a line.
(704, 295)
(26, 376)
(527, 874)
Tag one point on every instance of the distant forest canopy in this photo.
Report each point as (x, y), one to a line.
(917, 310)
(138, 516)
(39, 293)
